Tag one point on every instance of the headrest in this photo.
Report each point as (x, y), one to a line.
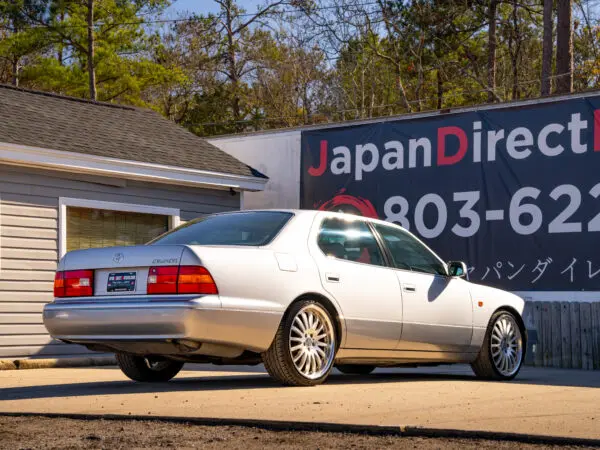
(334, 248)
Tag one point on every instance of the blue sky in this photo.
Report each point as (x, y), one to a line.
(207, 6)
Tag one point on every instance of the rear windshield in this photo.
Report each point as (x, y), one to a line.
(245, 228)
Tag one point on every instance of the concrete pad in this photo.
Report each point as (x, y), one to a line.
(549, 402)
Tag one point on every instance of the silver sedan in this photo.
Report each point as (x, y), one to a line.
(300, 291)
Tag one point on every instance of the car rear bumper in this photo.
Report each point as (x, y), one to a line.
(246, 324)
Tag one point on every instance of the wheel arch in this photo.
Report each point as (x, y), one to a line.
(332, 309)
(519, 319)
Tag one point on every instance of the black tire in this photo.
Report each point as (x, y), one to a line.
(355, 369)
(151, 369)
(278, 358)
(484, 366)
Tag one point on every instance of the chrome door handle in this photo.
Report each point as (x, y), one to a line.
(409, 288)
(332, 277)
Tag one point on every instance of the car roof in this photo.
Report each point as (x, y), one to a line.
(315, 212)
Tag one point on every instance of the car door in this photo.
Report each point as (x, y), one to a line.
(437, 308)
(353, 270)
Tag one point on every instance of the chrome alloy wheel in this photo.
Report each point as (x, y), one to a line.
(506, 345)
(312, 342)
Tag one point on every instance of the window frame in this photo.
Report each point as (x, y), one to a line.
(174, 214)
(387, 262)
(390, 257)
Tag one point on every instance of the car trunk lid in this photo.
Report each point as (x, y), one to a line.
(122, 270)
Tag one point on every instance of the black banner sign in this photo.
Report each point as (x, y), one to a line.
(513, 192)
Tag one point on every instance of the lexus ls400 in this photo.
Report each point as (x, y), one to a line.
(300, 291)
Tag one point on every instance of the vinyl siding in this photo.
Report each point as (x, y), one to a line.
(29, 246)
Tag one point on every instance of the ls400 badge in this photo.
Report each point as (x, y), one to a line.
(165, 261)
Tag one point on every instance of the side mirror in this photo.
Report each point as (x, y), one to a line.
(457, 269)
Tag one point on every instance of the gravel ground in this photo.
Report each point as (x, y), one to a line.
(50, 433)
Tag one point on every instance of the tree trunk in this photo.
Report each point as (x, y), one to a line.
(492, 50)
(15, 71)
(362, 94)
(400, 87)
(515, 49)
(564, 48)
(305, 103)
(419, 86)
(420, 76)
(233, 69)
(60, 55)
(235, 82)
(547, 48)
(91, 49)
(515, 74)
(440, 90)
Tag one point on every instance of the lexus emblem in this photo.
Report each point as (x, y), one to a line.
(118, 257)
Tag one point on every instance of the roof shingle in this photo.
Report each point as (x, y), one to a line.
(51, 121)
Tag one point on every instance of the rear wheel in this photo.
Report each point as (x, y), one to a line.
(304, 347)
(148, 369)
(355, 369)
(501, 355)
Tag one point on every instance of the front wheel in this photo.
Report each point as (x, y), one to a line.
(148, 369)
(304, 347)
(502, 353)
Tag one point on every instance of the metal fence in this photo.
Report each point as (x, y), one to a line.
(568, 334)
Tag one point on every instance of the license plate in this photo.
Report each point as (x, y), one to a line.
(121, 282)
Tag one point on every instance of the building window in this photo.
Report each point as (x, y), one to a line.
(91, 228)
(91, 223)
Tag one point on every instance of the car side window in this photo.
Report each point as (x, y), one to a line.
(408, 253)
(351, 240)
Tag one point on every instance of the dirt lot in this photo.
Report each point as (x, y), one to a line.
(548, 402)
(44, 433)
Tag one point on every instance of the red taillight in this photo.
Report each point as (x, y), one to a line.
(195, 280)
(59, 284)
(180, 280)
(162, 280)
(74, 283)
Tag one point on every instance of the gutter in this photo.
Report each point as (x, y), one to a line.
(72, 162)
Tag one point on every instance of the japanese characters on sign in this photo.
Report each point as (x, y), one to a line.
(513, 192)
(575, 272)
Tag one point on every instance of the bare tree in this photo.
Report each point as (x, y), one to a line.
(491, 67)
(396, 57)
(547, 47)
(564, 47)
(91, 51)
(234, 28)
(514, 49)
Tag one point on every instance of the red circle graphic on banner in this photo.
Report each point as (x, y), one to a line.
(349, 204)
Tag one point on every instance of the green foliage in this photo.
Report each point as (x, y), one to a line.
(55, 39)
(290, 62)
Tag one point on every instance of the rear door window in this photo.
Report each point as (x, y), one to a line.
(254, 228)
(350, 240)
